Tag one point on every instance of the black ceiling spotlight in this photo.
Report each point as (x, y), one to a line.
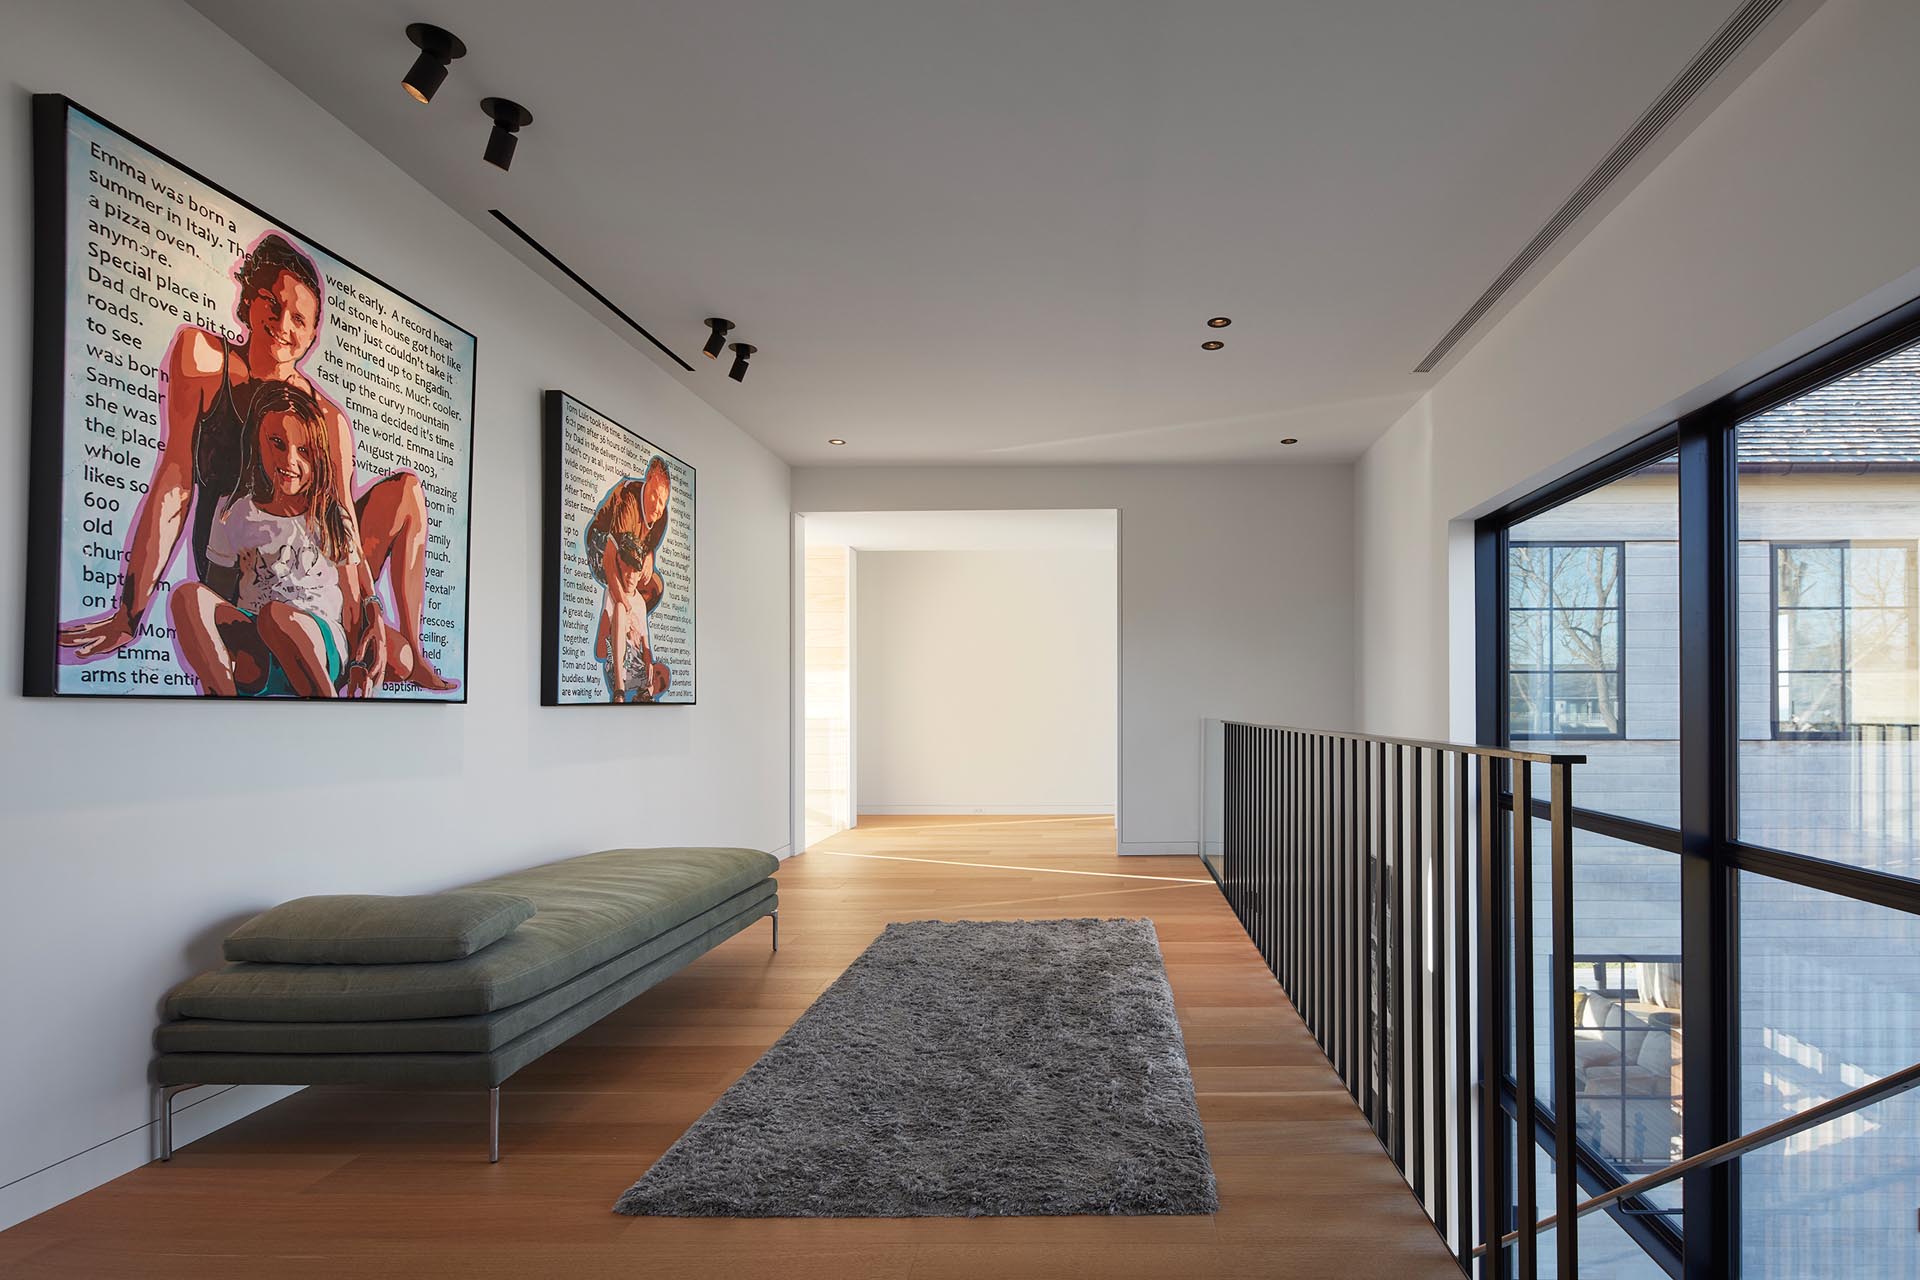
(1215, 345)
(438, 48)
(1290, 440)
(741, 354)
(1219, 322)
(717, 340)
(509, 118)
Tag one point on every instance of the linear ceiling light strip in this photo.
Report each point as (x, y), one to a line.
(1706, 64)
(580, 280)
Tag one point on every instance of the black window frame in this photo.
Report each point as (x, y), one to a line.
(1707, 1244)
(1551, 670)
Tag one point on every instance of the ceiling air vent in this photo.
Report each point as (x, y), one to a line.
(1728, 41)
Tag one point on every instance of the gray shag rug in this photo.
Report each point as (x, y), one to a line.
(960, 1069)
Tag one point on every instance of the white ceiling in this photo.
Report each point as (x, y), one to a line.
(992, 231)
(963, 530)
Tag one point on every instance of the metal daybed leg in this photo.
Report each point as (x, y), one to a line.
(776, 928)
(493, 1125)
(166, 1116)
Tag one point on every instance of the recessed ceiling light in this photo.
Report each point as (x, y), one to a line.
(1212, 346)
(1219, 322)
(1290, 440)
(836, 442)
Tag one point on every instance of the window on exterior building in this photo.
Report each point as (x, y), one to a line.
(1566, 619)
(1844, 637)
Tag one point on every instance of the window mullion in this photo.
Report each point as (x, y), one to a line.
(1708, 554)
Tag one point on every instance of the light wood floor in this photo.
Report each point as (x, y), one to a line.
(338, 1182)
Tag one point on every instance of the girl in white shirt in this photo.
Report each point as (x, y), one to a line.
(272, 616)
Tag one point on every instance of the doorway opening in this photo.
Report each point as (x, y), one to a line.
(956, 663)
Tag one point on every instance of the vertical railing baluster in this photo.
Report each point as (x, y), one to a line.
(1303, 909)
(1437, 1024)
(1298, 833)
(1417, 981)
(1363, 927)
(1492, 975)
(1303, 867)
(1566, 1188)
(1270, 819)
(1377, 946)
(1348, 908)
(1323, 841)
(1525, 1162)
(1262, 817)
(1396, 923)
(1464, 988)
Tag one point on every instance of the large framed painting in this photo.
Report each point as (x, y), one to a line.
(619, 590)
(252, 461)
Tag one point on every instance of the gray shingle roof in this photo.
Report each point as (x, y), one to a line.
(1868, 420)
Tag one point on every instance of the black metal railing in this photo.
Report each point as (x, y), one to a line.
(1376, 878)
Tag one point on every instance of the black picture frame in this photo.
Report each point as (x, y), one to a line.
(555, 548)
(48, 428)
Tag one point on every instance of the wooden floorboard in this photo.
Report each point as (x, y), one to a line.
(347, 1182)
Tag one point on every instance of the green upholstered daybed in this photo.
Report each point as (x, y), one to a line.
(604, 928)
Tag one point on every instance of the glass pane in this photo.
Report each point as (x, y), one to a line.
(1828, 1002)
(1585, 703)
(1879, 576)
(1829, 521)
(1810, 640)
(1586, 577)
(1527, 640)
(1529, 703)
(1611, 589)
(1879, 640)
(1810, 702)
(1586, 640)
(1606, 1251)
(1627, 1006)
(1529, 573)
(1809, 577)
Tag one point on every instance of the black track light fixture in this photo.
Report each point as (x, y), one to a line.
(509, 118)
(716, 340)
(741, 354)
(438, 48)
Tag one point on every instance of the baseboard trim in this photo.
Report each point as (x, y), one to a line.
(1159, 848)
(195, 1115)
(979, 810)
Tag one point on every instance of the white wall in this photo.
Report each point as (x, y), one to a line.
(136, 833)
(1236, 600)
(1785, 218)
(987, 681)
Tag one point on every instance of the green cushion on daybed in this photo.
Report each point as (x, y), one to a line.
(475, 1033)
(587, 911)
(364, 928)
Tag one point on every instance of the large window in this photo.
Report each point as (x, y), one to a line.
(1746, 844)
(1843, 637)
(1566, 625)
